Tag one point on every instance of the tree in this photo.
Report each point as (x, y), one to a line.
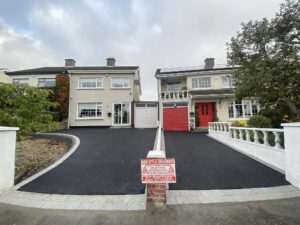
(62, 96)
(25, 107)
(267, 54)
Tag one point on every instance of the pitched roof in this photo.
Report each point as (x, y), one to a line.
(64, 69)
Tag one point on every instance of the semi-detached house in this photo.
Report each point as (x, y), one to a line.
(99, 95)
(191, 97)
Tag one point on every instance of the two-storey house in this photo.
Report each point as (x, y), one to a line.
(103, 96)
(98, 95)
(191, 97)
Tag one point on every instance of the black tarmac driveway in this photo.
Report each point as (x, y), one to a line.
(106, 162)
(205, 164)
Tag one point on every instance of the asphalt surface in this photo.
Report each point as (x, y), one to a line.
(279, 212)
(106, 162)
(203, 163)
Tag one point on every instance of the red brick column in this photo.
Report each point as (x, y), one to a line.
(156, 193)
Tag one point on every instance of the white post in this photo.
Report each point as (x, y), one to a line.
(292, 152)
(7, 157)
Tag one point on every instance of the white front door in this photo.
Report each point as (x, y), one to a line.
(121, 114)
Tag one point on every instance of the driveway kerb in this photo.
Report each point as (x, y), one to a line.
(74, 146)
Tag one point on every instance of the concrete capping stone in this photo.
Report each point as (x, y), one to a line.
(73, 143)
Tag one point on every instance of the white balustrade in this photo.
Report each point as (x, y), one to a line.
(245, 133)
(248, 134)
(167, 95)
(219, 126)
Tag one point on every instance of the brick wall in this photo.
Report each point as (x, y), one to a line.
(156, 193)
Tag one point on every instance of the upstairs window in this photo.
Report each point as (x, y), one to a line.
(201, 82)
(21, 81)
(46, 82)
(90, 110)
(91, 82)
(176, 86)
(120, 82)
(228, 81)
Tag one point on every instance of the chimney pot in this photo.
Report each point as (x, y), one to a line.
(209, 63)
(111, 61)
(70, 62)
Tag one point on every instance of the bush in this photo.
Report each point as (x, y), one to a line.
(239, 123)
(25, 107)
(259, 121)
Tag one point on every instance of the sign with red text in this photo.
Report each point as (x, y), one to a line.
(156, 171)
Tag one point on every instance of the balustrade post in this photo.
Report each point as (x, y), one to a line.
(256, 139)
(266, 142)
(277, 140)
(247, 135)
(234, 133)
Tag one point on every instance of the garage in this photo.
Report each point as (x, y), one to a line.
(175, 117)
(146, 115)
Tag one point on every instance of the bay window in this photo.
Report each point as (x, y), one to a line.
(243, 109)
(90, 110)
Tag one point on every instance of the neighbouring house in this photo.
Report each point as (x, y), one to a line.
(191, 97)
(3, 77)
(98, 95)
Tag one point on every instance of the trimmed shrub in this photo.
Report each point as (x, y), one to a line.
(259, 121)
(239, 123)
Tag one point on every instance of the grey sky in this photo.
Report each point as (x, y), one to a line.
(150, 34)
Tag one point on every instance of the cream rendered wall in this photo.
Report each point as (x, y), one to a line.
(33, 79)
(3, 77)
(106, 95)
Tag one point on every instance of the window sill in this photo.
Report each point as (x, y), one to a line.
(127, 88)
(90, 118)
(90, 88)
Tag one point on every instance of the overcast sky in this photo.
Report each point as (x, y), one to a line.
(148, 33)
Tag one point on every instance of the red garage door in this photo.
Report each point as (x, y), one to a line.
(175, 119)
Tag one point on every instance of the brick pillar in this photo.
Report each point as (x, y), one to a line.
(156, 193)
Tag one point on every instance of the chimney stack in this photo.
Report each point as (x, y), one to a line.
(110, 61)
(70, 62)
(209, 63)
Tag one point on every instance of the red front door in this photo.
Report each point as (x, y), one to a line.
(205, 113)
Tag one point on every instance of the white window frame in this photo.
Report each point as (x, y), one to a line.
(90, 118)
(174, 83)
(46, 78)
(97, 87)
(198, 83)
(228, 81)
(113, 113)
(243, 103)
(18, 83)
(111, 83)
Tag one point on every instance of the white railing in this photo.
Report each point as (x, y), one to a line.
(174, 95)
(158, 143)
(261, 136)
(219, 126)
(261, 143)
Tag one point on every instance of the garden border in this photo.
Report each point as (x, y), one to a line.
(71, 140)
